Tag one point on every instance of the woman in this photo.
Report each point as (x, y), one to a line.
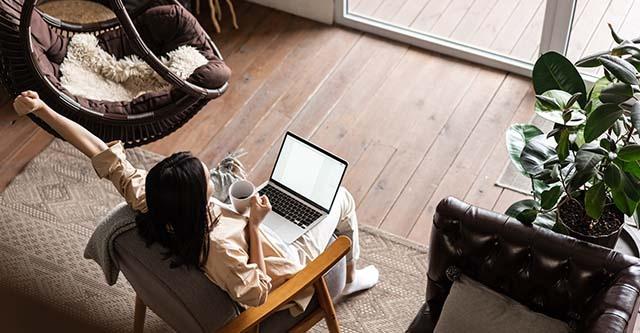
(239, 255)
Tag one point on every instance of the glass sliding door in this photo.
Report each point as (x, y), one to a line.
(591, 34)
(506, 34)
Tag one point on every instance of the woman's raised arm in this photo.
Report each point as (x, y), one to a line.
(78, 136)
(109, 162)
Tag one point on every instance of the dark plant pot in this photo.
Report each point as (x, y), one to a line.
(608, 241)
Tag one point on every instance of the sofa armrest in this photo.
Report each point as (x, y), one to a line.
(424, 322)
(312, 274)
(615, 308)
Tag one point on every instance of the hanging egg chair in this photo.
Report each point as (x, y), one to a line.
(33, 44)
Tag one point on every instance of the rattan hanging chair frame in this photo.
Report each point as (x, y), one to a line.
(19, 71)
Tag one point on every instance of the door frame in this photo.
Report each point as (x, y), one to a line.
(558, 20)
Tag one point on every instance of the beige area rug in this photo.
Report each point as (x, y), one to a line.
(48, 213)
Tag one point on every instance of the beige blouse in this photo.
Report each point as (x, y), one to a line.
(228, 262)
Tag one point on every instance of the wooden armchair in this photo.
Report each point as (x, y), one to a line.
(313, 274)
(329, 264)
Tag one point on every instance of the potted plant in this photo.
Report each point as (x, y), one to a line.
(585, 172)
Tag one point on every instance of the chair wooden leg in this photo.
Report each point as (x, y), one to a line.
(306, 324)
(326, 303)
(139, 315)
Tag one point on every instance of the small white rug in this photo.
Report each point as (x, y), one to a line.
(89, 71)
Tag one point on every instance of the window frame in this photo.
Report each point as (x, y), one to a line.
(556, 32)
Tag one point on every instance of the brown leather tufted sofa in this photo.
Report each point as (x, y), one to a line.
(592, 288)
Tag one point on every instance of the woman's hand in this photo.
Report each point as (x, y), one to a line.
(260, 207)
(78, 136)
(28, 102)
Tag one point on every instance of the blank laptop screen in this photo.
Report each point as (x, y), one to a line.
(308, 171)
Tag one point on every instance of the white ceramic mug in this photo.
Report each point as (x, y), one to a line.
(241, 193)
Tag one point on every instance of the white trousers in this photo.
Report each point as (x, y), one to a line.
(342, 220)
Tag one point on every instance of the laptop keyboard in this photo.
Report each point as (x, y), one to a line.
(290, 208)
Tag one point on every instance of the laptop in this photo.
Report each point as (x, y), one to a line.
(302, 187)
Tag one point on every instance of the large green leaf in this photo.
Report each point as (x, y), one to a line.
(617, 126)
(563, 145)
(539, 186)
(594, 95)
(608, 144)
(579, 139)
(560, 228)
(632, 168)
(592, 60)
(631, 187)
(589, 156)
(635, 62)
(616, 93)
(600, 120)
(534, 155)
(546, 220)
(613, 176)
(550, 197)
(524, 211)
(627, 197)
(594, 200)
(620, 69)
(614, 34)
(574, 98)
(517, 137)
(629, 153)
(553, 71)
(635, 115)
(623, 203)
(551, 105)
(548, 102)
(625, 49)
(579, 178)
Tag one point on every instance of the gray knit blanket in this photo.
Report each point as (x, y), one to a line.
(120, 219)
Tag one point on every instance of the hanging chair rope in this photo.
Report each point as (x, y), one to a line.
(216, 13)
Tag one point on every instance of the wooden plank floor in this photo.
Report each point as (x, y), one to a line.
(511, 27)
(414, 125)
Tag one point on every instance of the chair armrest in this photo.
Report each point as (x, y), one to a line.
(314, 271)
(615, 308)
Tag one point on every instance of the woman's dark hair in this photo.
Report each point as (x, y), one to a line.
(177, 216)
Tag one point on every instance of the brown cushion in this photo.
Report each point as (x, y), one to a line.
(164, 29)
(47, 41)
(472, 307)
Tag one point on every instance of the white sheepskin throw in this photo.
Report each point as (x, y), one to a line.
(89, 71)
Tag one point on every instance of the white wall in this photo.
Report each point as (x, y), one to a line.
(318, 10)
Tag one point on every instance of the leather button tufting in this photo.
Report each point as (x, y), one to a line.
(453, 273)
(538, 301)
(591, 288)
